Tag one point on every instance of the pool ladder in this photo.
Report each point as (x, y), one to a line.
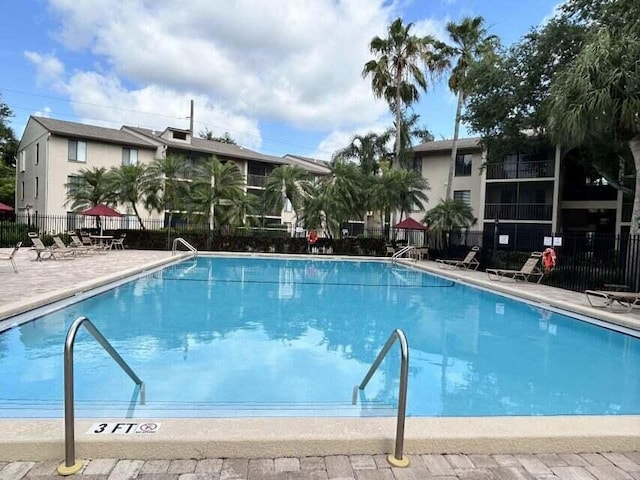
(70, 464)
(401, 252)
(397, 459)
(181, 240)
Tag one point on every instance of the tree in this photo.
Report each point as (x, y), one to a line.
(598, 95)
(368, 150)
(8, 141)
(287, 182)
(410, 187)
(90, 187)
(240, 209)
(215, 183)
(168, 187)
(446, 217)
(470, 42)
(207, 134)
(396, 71)
(132, 185)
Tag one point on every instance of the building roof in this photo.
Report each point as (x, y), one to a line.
(312, 165)
(444, 145)
(208, 146)
(91, 132)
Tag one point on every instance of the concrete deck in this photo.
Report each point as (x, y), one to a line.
(25, 441)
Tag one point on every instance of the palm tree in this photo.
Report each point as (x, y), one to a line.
(131, 185)
(216, 183)
(410, 187)
(169, 188)
(343, 194)
(89, 188)
(287, 182)
(396, 73)
(447, 216)
(470, 43)
(597, 96)
(368, 150)
(240, 210)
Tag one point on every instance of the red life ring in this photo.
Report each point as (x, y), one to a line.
(549, 259)
(313, 237)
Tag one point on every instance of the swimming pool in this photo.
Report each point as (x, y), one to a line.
(257, 336)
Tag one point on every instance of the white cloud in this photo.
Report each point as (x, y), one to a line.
(339, 139)
(90, 90)
(298, 62)
(45, 112)
(49, 69)
(552, 14)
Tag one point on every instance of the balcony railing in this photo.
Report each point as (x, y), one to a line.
(538, 169)
(256, 180)
(518, 211)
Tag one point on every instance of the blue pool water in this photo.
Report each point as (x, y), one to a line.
(252, 336)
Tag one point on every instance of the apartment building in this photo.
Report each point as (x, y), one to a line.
(543, 192)
(52, 152)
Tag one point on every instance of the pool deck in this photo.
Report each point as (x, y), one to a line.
(281, 448)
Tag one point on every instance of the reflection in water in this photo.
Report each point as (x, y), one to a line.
(264, 336)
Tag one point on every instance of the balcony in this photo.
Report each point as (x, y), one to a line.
(518, 211)
(537, 169)
(256, 180)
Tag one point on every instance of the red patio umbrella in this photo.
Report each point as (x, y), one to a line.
(410, 224)
(5, 208)
(101, 210)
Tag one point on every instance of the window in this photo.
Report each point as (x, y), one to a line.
(37, 187)
(417, 165)
(463, 195)
(179, 135)
(21, 161)
(463, 165)
(77, 151)
(129, 156)
(73, 184)
(37, 153)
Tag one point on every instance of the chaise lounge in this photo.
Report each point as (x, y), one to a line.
(10, 256)
(627, 300)
(528, 271)
(470, 261)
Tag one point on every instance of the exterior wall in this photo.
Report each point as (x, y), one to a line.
(35, 135)
(55, 167)
(435, 168)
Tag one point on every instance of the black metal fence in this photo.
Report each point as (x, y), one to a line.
(585, 260)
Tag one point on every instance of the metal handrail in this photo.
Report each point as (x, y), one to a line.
(185, 243)
(401, 252)
(397, 459)
(70, 465)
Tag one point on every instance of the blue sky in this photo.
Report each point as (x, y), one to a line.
(281, 76)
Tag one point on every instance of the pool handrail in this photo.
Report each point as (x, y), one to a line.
(70, 464)
(185, 243)
(397, 459)
(401, 252)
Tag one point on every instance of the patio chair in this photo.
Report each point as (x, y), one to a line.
(627, 300)
(470, 261)
(390, 251)
(77, 244)
(118, 243)
(42, 251)
(61, 249)
(529, 270)
(10, 256)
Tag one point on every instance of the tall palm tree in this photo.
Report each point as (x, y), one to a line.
(240, 210)
(131, 185)
(470, 42)
(598, 96)
(287, 182)
(447, 216)
(410, 187)
(215, 183)
(368, 150)
(396, 71)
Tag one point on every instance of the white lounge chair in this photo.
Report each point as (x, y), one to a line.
(627, 300)
(528, 271)
(469, 261)
(10, 256)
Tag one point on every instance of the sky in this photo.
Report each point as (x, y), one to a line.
(281, 76)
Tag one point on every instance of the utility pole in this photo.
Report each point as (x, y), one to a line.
(191, 118)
